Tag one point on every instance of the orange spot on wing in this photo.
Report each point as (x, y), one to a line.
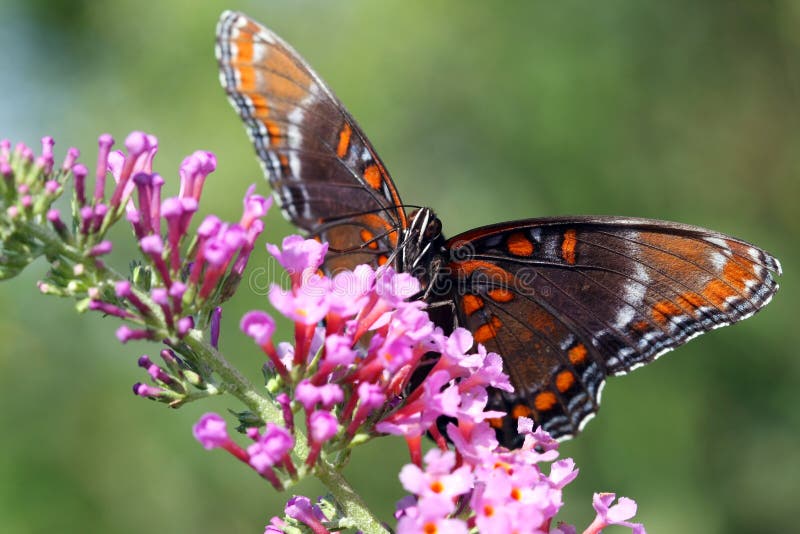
(500, 295)
(664, 309)
(564, 380)
(568, 246)
(372, 175)
(487, 331)
(344, 140)
(520, 410)
(383, 259)
(495, 422)
(247, 79)
(471, 303)
(640, 326)
(260, 105)
(577, 354)
(367, 237)
(284, 161)
(244, 49)
(519, 245)
(490, 272)
(377, 222)
(690, 301)
(274, 132)
(717, 292)
(545, 401)
(736, 275)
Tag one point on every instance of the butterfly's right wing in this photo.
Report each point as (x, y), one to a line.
(567, 301)
(327, 177)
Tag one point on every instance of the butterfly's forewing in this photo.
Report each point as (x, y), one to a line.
(568, 301)
(327, 177)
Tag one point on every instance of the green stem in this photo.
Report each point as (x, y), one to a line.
(237, 385)
(354, 506)
(233, 381)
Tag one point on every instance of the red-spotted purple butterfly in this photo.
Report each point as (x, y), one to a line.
(567, 301)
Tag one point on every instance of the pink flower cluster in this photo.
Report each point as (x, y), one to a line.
(346, 373)
(29, 184)
(186, 268)
(498, 490)
(353, 377)
(269, 450)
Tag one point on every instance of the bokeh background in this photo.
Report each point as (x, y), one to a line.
(485, 111)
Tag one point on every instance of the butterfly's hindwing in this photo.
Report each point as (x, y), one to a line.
(618, 292)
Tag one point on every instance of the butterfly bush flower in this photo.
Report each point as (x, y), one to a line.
(499, 490)
(617, 514)
(357, 344)
(184, 274)
(352, 371)
(186, 269)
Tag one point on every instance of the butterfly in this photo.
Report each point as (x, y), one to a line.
(566, 301)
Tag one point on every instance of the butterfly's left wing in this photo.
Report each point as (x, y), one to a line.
(326, 176)
(569, 301)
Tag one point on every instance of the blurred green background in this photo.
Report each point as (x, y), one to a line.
(485, 111)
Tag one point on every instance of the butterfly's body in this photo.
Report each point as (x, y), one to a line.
(566, 301)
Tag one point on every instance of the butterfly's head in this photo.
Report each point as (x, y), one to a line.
(424, 225)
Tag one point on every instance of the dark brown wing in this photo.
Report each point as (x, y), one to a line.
(569, 301)
(327, 177)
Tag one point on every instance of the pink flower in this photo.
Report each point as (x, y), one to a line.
(350, 289)
(276, 526)
(259, 326)
(125, 334)
(617, 514)
(431, 515)
(297, 255)
(270, 448)
(193, 171)
(474, 442)
(322, 426)
(396, 287)
(339, 351)
(211, 431)
(370, 397)
(301, 509)
(305, 307)
(255, 207)
(562, 473)
(439, 478)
